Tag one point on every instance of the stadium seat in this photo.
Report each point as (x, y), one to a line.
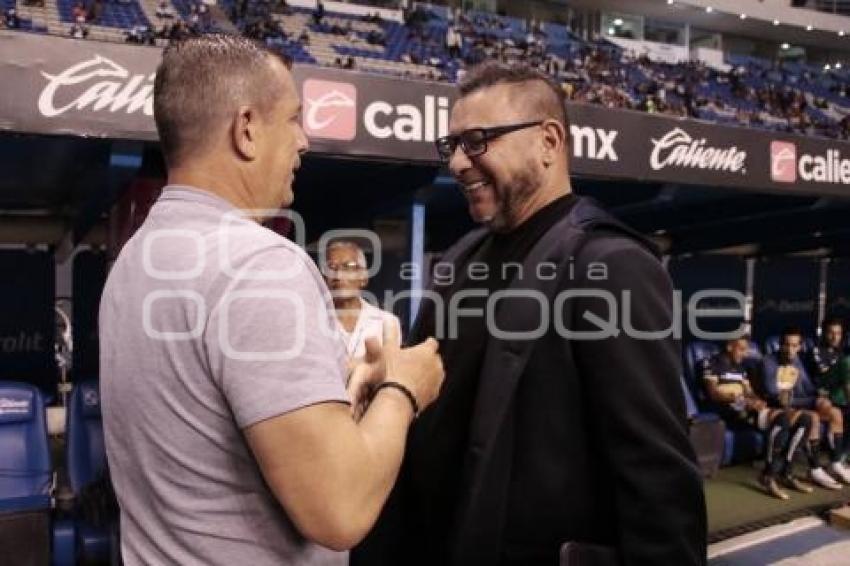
(771, 344)
(86, 458)
(696, 352)
(25, 475)
(706, 432)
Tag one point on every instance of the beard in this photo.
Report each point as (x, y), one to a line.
(513, 195)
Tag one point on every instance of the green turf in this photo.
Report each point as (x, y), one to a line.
(736, 502)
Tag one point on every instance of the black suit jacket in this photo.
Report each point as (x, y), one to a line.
(571, 440)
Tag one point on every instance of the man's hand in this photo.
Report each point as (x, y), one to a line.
(419, 368)
(365, 377)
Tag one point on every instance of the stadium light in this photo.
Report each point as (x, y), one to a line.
(612, 31)
(708, 9)
(669, 2)
(827, 67)
(786, 47)
(838, 65)
(743, 16)
(841, 33)
(776, 22)
(809, 27)
(618, 22)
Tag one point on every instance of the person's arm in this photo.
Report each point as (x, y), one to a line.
(331, 474)
(637, 410)
(715, 394)
(274, 353)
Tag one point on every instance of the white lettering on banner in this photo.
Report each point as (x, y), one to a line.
(14, 407)
(678, 149)
(594, 143)
(406, 122)
(128, 93)
(830, 168)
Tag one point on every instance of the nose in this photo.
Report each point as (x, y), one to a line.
(459, 161)
(303, 142)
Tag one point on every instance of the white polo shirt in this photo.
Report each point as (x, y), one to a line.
(370, 323)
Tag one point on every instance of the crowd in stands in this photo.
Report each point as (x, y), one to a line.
(788, 97)
(172, 27)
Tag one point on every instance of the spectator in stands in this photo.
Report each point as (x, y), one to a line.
(512, 462)
(318, 13)
(164, 10)
(304, 37)
(79, 30)
(731, 395)
(237, 440)
(454, 42)
(178, 31)
(376, 38)
(79, 13)
(345, 272)
(10, 18)
(194, 23)
(788, 387)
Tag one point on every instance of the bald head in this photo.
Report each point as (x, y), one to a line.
(202, 81)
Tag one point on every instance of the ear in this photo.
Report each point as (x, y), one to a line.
(554, 140)
(245, 132)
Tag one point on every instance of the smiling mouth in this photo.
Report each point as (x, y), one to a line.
(474, 187)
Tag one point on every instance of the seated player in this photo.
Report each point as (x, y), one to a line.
(829, 365)
(787, 386)
(732, 397)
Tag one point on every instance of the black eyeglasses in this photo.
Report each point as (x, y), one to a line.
(473, 142)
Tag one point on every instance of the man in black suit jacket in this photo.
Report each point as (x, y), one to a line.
(543, 435)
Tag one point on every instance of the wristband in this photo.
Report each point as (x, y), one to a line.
(403, 389)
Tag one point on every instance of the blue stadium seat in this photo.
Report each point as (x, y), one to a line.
(771, 344)
(25, 475)
(86, 458)
(707, 434)
(696, 352)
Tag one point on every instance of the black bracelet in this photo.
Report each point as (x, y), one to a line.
(403, 389)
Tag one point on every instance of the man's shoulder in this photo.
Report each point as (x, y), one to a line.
(606, 243)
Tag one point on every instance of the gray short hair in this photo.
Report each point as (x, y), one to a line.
(203, 80)
(361, 256)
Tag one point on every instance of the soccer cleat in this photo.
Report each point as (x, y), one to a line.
(823, 479)
(772, 488)
(840, 471)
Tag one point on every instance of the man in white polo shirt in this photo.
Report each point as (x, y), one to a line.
(346, 273)
(227, 425)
